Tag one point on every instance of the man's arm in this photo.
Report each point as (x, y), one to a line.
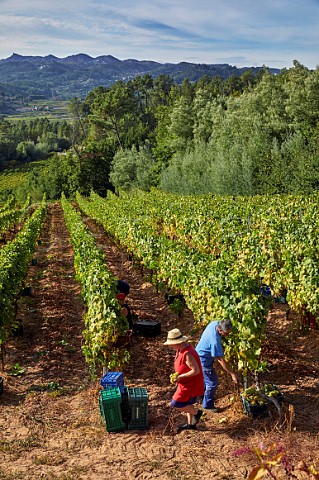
(225, 365)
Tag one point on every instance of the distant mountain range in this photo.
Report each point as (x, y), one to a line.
(76, 75)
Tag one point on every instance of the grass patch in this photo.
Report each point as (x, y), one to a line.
(49, 459)
(72, 474)
(49, 387)
(18, 446)
(16, 370)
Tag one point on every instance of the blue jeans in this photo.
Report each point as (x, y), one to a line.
(211, 384)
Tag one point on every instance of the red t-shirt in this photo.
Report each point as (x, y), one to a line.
(190, 386)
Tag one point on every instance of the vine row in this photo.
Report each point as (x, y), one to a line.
(103, 320)
(14, 262)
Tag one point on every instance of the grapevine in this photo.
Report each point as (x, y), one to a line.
(219, 252)
(103, 319)
(213, 288)
(14, 261)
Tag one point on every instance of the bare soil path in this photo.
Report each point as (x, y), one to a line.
(50, 425)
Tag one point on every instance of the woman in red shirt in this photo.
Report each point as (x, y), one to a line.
(190, 380)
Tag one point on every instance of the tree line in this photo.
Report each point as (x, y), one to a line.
(24, 141)
(251, 134)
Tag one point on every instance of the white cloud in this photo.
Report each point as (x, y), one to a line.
(249, 32)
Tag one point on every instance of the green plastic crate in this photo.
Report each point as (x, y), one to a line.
(110, 408)
(138, 402)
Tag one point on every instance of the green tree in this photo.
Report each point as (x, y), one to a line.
(161, 94)
(190, 173)
(26, 150)
(94, 167)
(231, 85)
(134, 168)
(79, 111)
(143, 87)
(181, 125)
(113, 114)
(60, 174)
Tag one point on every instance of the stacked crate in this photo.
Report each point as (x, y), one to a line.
(110, 401)
(122, 407)
(112, 380)
(110, 408)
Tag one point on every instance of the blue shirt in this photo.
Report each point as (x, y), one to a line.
(210, 345)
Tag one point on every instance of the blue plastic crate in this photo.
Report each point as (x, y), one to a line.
(138, 403)
(112, 380)
(110, 401)
(265, 290)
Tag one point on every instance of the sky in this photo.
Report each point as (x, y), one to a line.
(242, 33)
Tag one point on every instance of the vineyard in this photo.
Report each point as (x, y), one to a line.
(254, 261)
(221, 255)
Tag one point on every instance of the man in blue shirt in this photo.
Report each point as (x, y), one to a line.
(210, 348)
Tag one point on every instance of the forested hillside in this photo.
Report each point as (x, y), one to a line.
(246, 135)
(76, 75)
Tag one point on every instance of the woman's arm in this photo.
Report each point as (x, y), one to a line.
(192, 364)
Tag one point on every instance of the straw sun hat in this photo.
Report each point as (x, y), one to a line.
(175, 337)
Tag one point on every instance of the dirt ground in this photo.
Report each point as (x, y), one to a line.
(50, 424)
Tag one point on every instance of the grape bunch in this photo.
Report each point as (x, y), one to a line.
(253, 396)
(270, 390)
(173, 376)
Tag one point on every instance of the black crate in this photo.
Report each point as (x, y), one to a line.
(254, 411)
(138, 401)
(27, 292)
(147, 328)
(260, 411)
(280, 396)
(171, 298)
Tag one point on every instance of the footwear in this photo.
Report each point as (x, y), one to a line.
(198, 415)
(186, 426)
